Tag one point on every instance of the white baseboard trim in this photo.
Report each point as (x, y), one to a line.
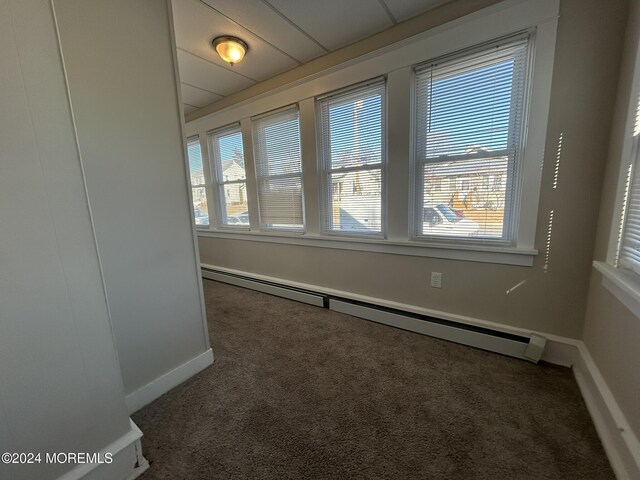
(559, 350)
(127, 463)
(161, 385)
(620, 443)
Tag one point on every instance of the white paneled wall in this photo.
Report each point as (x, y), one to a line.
(60, 384)
(126, 106)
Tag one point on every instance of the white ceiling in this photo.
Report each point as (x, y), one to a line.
(281, 35)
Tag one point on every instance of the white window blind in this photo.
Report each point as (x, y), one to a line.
(198, 183)
(278, 164)
(469, 110)
(352, 139)
(629, 241)
(230, 177)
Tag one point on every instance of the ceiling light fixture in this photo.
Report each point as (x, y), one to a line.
(231, 49)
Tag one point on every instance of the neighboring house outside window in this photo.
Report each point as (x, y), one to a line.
(230, 178)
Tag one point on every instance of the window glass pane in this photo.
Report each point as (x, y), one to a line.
(356, 201)
(469, 117)
(460, 202)
(234, 197)
(355, 131)
(352, 140)
(469, 109)
(200, 210)
(231, 157)
(195, 162)
(280, 147)
(628, 251)
(279, 170)
(281, 205)
(199, 194)
(231, 176)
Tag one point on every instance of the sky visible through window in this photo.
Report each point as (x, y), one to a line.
(467, 109)
(470, 110)
(231, 148)
(359, 131)
(195, 160)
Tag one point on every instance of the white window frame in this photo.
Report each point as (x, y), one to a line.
(396, 61)
(621, 281)
(280, 176)
(324, 160)
(206, 185)
(514, 179)
(628, 181)
(629, 164)
(217, 182)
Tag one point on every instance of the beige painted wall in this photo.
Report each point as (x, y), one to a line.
(612, 336)
(582, 97)
(611, 331)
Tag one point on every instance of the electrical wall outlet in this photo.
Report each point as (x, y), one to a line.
(436, 279)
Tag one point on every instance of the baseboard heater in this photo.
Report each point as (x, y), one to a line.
(523, 347)
(277, 289)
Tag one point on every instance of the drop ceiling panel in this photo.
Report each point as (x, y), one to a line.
(335, 23)
(208, 76)
(189, 108)
(198, 97)
(261, 19)
(196, 24)
(405, 9)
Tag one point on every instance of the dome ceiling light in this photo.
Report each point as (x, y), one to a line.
(231, 49)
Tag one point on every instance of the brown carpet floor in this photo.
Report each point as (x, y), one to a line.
(300, 392)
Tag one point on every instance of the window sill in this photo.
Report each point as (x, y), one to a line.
(470, 253)
(624, 285)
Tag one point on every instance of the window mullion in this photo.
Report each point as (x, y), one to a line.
(466, 156)
(232, 182)
(280, 176)
(357, 168)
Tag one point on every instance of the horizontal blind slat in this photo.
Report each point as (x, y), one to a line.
(279, 170)
(352, 132)
(469, 110)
